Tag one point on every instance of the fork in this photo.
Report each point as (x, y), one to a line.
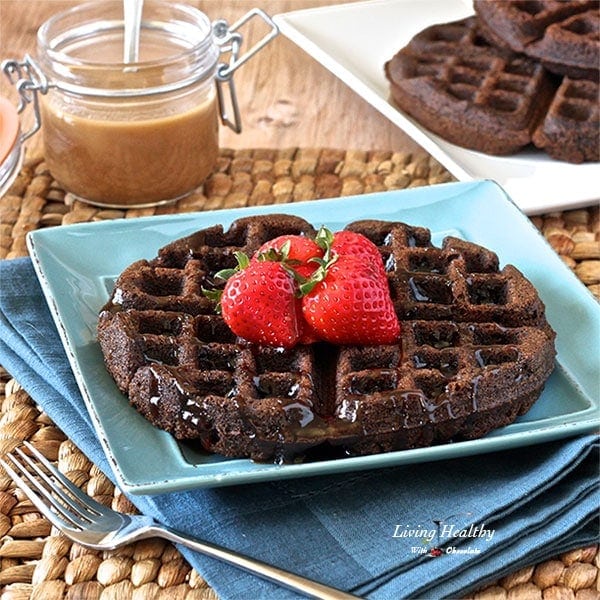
(96, 526)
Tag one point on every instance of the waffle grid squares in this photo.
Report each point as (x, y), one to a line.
(436, 276)
(204, 343)
(577, 100)
(468, 349)
(492, 81)
(464, 66)
(563, 36)
(582, 25)
(186, 371)
(530, 18)
(489, 83)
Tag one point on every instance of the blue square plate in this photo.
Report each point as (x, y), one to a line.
(78, 264)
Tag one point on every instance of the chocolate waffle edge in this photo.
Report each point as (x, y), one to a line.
(563, 36)
(475, 351)
(493, 100)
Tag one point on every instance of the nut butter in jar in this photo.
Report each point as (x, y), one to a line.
(131, 134)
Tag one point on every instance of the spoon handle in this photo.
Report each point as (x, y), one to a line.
(132, 13)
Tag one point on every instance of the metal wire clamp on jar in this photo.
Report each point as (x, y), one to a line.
(137, 134)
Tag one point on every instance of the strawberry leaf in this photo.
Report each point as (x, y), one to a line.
(319, 274)
(242, 259)
(324, 238)
(225, 274)
(281, 254)
(214, 295)
(242, 262)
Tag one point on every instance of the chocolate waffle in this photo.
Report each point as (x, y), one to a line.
(453, 82)
(475, 351)
(564, 36)
(472, 94)
(574, 108)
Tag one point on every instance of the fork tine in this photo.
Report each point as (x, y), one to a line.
(46, 490)
(41, 499)
(49, 484)
(83, 504)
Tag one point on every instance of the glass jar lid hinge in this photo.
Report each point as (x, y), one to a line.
(229, 40)
(28, 80)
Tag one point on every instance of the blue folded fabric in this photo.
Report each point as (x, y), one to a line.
(420, 531)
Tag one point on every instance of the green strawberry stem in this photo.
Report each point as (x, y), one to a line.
(323, 239)
(224, 274)
(242, 262)
(282, 255)
(214, 295)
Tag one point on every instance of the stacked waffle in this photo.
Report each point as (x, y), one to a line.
(518, 72)
(474, 351)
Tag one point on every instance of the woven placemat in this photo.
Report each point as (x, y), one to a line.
(36, 561)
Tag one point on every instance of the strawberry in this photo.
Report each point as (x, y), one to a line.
(356, 244)
(297, 290)
(294, 250)
(307, 334)
(351, 303)
(259, 304)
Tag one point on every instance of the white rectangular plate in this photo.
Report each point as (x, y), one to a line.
(355, 40)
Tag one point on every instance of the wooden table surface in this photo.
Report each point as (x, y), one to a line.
(287, 99)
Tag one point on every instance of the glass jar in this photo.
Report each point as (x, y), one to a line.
(11, 146)
(132, 134)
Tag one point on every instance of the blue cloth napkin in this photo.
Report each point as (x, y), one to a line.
(375, 534)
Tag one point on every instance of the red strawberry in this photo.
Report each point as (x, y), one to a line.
(351, 304)
(307, 334)
(293, 250)
(356, 244)
(259, 304)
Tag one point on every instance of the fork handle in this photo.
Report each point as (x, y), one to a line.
(292, 581)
